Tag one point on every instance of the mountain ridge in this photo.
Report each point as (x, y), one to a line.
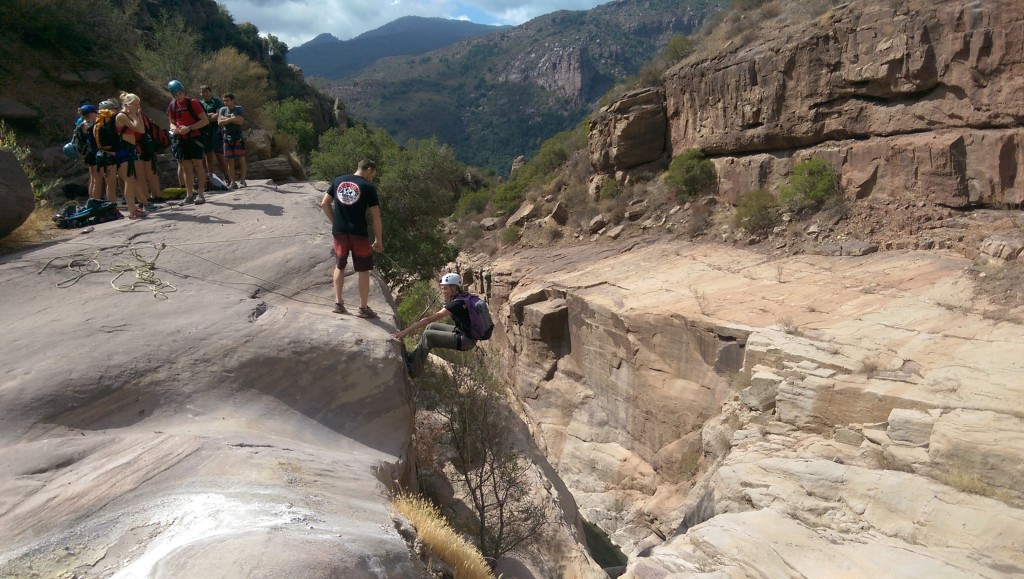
(329, 57)
(548, 73)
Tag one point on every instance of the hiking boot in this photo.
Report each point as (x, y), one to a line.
(233, 185)
(366, 312)
(200, 200)
(190, 199)
(151, 207)
(241, 183)
(339, 309)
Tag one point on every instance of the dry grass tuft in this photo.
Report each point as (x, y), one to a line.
(443, 542)
(37, 228)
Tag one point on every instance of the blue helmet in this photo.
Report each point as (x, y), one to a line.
(175, 87)
(69, 151)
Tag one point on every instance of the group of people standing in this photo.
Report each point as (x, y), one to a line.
(207, 132)
(113, 163)
(202, 133)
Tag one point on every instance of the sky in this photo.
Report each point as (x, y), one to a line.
(298, 21)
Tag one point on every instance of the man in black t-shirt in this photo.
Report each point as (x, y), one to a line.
(437, 335)
(345, 205)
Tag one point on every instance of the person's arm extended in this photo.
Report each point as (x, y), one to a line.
(378, 229)
(325, 205)
(422, 323)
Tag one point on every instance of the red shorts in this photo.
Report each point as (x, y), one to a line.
(362, 252)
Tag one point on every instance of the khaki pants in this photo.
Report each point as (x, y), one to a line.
(438, 336)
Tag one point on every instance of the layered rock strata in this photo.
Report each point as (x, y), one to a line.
(706, 407)
(916, 100)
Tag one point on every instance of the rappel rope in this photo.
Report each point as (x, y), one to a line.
(83, 264)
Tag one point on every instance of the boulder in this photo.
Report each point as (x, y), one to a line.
(910, 427)
(278, 168)
(490, 223)
(630, 132)
(560, 213)
(258, 143)
(13, 110)
(597, 223)
(1005, 246)
(526, 211)
(16, 198)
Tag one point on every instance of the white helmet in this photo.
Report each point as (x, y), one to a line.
(451, 279)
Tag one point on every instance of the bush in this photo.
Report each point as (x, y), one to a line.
(472, 203)
(417, 187)
(236, 73)
(813, 181)
(81, 29)
(9, 143)
(510, 235)
(679, 47)
(691, 174)
(416, 301)
(509, 196)
(294, 118)
(609, 189)
(172, 52)
(757, 212)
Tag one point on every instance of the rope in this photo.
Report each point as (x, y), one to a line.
(84, 264)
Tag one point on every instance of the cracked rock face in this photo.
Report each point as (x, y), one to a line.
(713, 411)
(914, 100)
(233, 424)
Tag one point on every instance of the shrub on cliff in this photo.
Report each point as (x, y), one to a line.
(757, 212)
(490, 474)
(691, 174)
(813, 182)
(417, 187)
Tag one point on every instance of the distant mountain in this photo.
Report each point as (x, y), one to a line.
(495, 97)
(327, 57)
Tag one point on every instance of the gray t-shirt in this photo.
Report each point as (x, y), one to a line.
(232, 130)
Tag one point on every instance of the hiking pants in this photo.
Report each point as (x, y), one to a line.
(438, 335)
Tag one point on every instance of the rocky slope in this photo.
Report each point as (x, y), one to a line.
(226, 426)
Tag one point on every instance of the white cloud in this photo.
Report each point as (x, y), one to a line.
(297, 21)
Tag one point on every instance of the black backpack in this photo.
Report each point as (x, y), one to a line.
(78, 139)
(105, 131)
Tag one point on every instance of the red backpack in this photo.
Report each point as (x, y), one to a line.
(160, 136)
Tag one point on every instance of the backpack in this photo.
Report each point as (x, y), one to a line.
(481, 325)
(78, 140)
(105, 131)
(158, 134)
(93, 212)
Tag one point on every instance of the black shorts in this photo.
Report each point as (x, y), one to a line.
(188, 150)
(213, 141)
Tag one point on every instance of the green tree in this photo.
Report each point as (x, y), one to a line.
(690, 174)
(173, 52)
(294, 118)
(417, 186)
(277, 49)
